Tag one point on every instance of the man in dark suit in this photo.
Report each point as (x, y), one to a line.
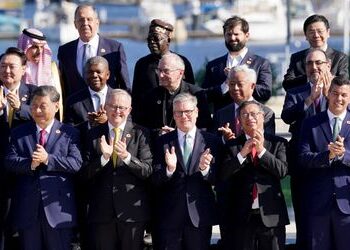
(145, 76)
(300, 103)
(44, 155)
(73, 55)
(14, 110)
(255, 213)
(85, 108)
(317, 32)
(158, 104)
(184, 172)
(236, 33)
(241, 81)
(117, 163)
(324, 160)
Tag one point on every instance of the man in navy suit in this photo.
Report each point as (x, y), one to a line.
(73, 55)
(317, 32)
(254, 213)
(236, 33)
(184, 172)
(117, 163)
(44, 155)
(325, 161)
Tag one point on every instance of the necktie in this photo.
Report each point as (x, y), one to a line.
(255, 163)
(116, 138)
(42, 137)
(98, 102)
(336, 128)
(317, 104)
(10, 115)
(85, 57)
(187, 149)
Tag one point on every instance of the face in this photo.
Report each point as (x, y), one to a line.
(34, 52)
(117, 107)
(96, 76)
(240, 88)
(252, 119)
(338, 98)
(235, 39)
(158, 43)
(11, 71)
(316, 63)
(185, 115)
(169, 74)
(43, 110)
(317, 34)
(87, 23)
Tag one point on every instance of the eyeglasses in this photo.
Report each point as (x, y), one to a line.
(116, 108)
(252, 114)
(319, 32)
(184, 112)
(318, 63)
(165, 71)
(11, 66)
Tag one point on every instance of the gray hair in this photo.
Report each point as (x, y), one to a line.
(185, 97)
(174, 58)
(46, 90)
(96, 60)
(250, 73)
(117, 92)
(252, 102)
(83, 6)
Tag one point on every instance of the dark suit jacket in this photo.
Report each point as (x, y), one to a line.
(241, 178)
(158, 108)
(215, 76)
(186, 193)
(326, 182)
(228, 114)
(119, 192)
(112, 50)
(51, 185)
(296, 74)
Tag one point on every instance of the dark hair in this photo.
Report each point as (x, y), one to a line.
(46, 90)
(313, 19)
(311, 50)
(246, 103)
(15, 51)
(234, 21)
(340, 81)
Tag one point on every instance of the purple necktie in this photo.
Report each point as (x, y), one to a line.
(42, 137)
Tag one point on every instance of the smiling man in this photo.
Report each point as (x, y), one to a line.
(317, 32)
(72, 56)
(324, 162)
(117, 163)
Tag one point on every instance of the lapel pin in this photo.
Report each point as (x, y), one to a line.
(24, 98)
(128, 135)
(159, 102)
(103, 50)
(58, 131)
(249, 61)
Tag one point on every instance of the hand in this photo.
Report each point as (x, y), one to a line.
(336, 148)
(315, 93)
(40, 155)
(227, 132)
(258, 140)
(106, 149)
(170, 159)
(247, 148)
(13, 100)
(120, 148)
(166, 129)
(205, 159)
(34, 165)
(227, 71)
(96, 118)
(327, 78)
(2, 99)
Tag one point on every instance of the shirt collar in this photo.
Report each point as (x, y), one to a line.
(6, 90)
(240, 56)
(103, 91)
(191, 133)
(331, 116)
(93, 42)
(47, 129)
(121, 126)
(324, 48)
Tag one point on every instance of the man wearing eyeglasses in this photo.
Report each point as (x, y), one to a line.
(145, 77)
(300, 103)
(116, 165)
(184, 172)
(157, 106)
(254, 214)
(317, 32)
(324, 162)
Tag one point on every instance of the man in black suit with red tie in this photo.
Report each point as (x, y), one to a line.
(317, 31)
(73, 55)
(117, 162)
(254, 214)
(184, 172)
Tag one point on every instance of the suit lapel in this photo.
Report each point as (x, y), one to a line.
(128, 132)
(53, 136)
(345, 128)
(325, 127)
(101, 50)
(247, 59)
(174, 142)
(198, 149)
(87, 102)
(73, 54)
(32, 137)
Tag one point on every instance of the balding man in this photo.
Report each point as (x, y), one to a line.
(145, 76)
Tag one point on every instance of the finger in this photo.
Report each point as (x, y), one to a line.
(172, 150)
(207, 151)
(227, 125)
(124, 140)
(167, 151)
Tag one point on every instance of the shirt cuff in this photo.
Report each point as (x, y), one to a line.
(104, 161)
(127, 160)
(205, 171)
(241, 159)
(169, 173)
(262, 153)
(224, 88)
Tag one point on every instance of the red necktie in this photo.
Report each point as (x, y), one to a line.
(255, 163)
(42, 137)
